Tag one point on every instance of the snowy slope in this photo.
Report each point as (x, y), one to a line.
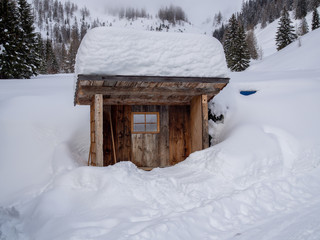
(261, 181)
(266, 36)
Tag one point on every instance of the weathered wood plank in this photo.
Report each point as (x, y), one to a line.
(163, 145)
(107, 140)
(179, 133)
(117, 91)
(151, 78)
(98, 119)
(137, 101)
(123, 133)
(205, 132)
(152, 150)
(145, 101)
(196, 123)
(92, 135)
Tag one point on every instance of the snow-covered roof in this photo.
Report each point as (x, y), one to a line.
(115, 51)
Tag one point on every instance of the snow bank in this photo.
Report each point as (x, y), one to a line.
(115, 51)
(37, 121)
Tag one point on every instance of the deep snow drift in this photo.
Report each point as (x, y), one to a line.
(260, 181)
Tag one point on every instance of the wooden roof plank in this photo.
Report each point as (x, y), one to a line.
(82, 77)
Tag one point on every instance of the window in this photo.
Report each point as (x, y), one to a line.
(145, 122)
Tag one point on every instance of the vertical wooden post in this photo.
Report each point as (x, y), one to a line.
(98, 119)
(205, 131)
(196, 124)
(199, 123)
(92, 135)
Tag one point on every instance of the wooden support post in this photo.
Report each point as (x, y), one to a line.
(98, 119)
(112, 138)
(199, 123)
(205, 131)
(92, 150)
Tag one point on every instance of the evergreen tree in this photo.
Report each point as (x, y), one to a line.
(27, 42)
(303, 27)
(74, 45)
(40, 48)
(242, 55)
(251, 41)
(300, 9)
(229, 44)
(315, 20)
(285, 33)
(9, 33)
(51, 61)
(235, 46)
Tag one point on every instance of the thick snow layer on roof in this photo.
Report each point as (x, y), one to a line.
(114, 51)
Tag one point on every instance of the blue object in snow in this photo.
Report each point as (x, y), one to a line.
(247, 93)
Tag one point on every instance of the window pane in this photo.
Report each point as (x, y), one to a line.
(151, 118)
(139, 128)
(138, 118)
(151, 127)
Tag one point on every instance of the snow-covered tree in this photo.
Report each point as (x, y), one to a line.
(18, 49)
(242, 56)
(315, 20)
(235, 46)
(51, 64)
(74, 45)
(303, 27)
(30, 59)
(9, 31)
(252, 44)
(285, 33)
(229, 43)
(300, 9)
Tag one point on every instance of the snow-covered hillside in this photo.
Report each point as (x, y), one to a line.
(266, 36)
(261, 181)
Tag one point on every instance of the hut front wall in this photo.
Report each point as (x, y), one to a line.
(168, 147)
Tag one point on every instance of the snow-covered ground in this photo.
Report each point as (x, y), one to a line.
(260, 181)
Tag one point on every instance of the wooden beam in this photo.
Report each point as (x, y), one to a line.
(98, 119)
(92, 135)
(118, 91)
(129, 78)
(196, 123)
(205, 132)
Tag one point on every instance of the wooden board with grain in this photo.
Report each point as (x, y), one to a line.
(179, 133)
(196, 123)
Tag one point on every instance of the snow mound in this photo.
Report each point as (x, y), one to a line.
(114, 51)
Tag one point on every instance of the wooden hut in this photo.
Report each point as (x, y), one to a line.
(148, 94)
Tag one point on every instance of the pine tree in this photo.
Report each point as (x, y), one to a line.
(230, 40)
(235, 46)
(300, 9)
(27, 41)
(303, 27)
(315, 20)
(9, 33)
(51, 61)
(74, 45)
(251, 41)
(285, 33)
(242, 55)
